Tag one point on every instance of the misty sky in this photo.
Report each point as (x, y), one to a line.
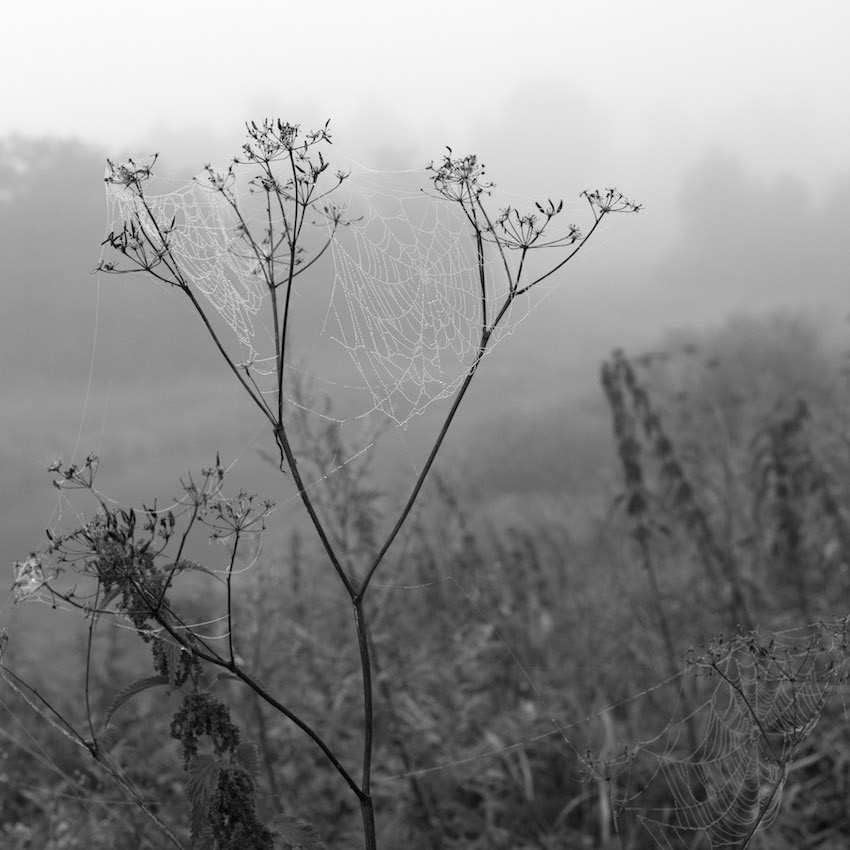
(556, 99)
(766, 79)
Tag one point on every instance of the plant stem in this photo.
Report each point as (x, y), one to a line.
(366, 804)
(286, 450)
(304, 727)
(366, 670)
(367, 814)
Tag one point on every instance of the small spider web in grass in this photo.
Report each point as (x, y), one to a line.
(762, 698)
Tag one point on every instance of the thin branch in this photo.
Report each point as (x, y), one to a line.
(569, 256)
(304, 727)
(512, 282)
(286, 449)
(366, 669)
(318, 256)
(65, 728)
(88, 668)
(230, 597)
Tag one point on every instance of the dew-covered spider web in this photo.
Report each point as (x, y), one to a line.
(715, 775)
(409, 305)
(202, 232)
(402, 294)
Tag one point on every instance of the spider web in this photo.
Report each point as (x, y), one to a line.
(203, 235)
(410, 308)
(720, 770)
(406, 301)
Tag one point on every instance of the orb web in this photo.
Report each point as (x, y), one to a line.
(410, 314)
(720, 770)
(202, 232)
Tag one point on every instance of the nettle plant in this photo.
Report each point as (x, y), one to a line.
(242, 254)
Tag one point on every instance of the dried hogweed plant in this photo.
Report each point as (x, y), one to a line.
(123, 564)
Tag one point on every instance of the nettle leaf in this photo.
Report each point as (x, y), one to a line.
(135, 687)
(248, 756)
(203, 777)
(202, 781)
(173, 655)
(296, 834)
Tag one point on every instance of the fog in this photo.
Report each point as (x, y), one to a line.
(726, 125)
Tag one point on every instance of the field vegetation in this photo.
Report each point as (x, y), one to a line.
(656, 658)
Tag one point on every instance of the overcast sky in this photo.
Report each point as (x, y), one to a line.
(766, 79)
